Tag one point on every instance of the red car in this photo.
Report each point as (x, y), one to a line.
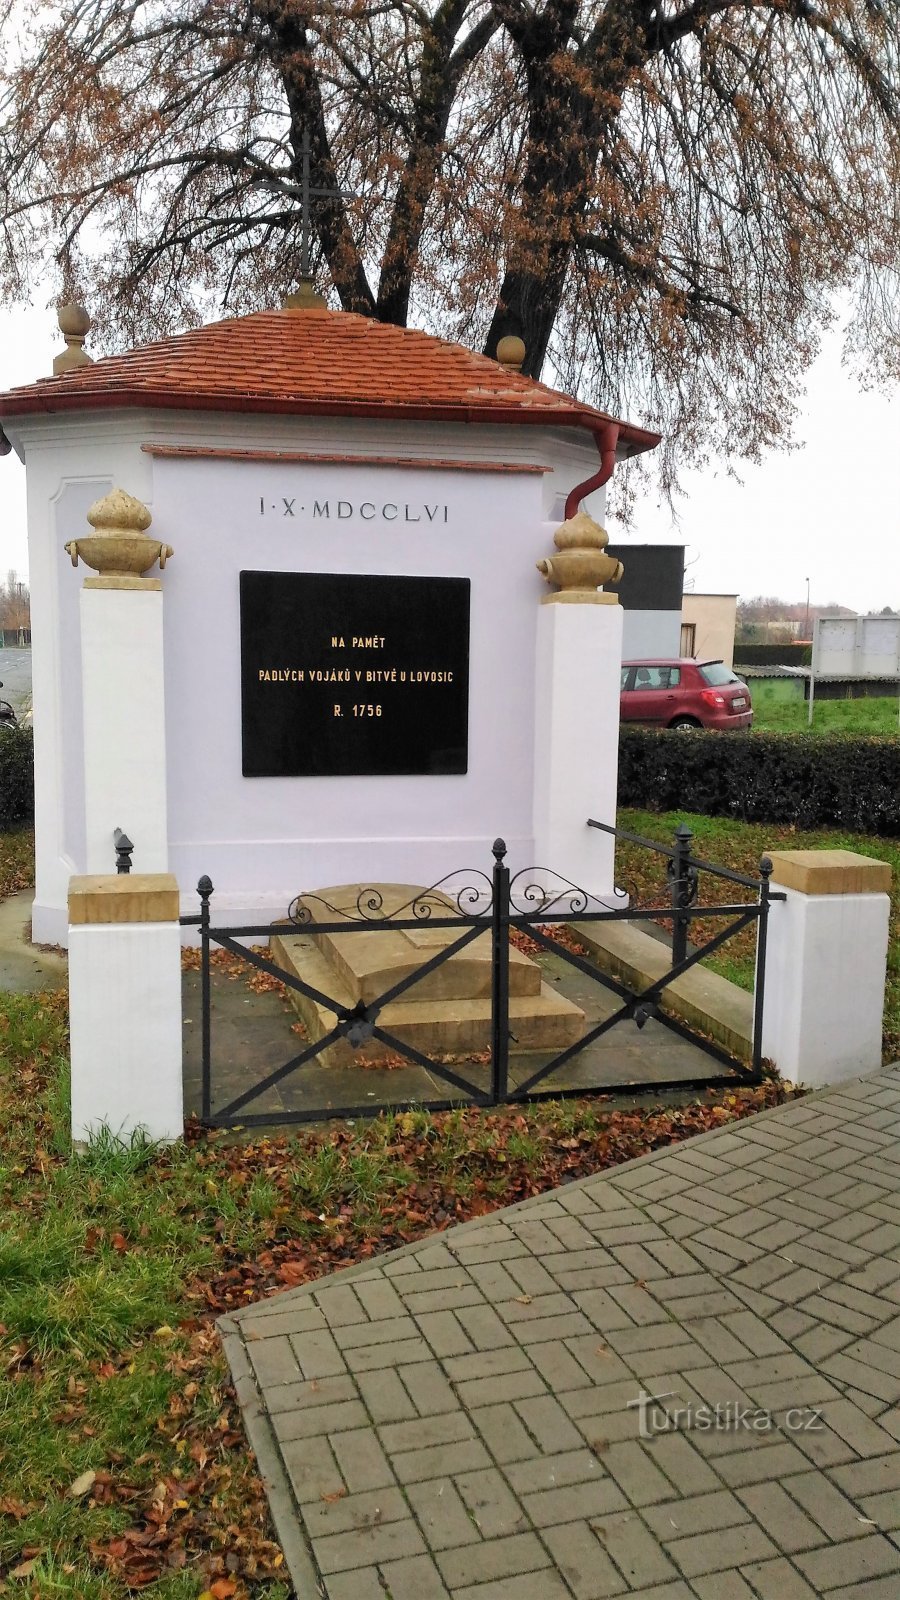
(666, 693)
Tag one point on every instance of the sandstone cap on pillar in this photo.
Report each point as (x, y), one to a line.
(582, 563)
(120, 550)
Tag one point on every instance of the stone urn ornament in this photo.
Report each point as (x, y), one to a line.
(582, 563)
(119, 547)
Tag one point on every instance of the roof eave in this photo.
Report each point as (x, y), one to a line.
(632, 440)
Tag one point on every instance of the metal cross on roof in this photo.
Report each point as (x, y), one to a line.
(307, 194)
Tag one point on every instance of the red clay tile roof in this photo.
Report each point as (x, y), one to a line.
(323, 363)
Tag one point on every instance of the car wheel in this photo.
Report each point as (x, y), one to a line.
(685, 724)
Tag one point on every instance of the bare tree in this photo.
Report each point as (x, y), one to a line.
(661, 196)
(15, 603)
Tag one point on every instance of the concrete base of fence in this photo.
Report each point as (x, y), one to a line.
(125, 1006)
(826, 965)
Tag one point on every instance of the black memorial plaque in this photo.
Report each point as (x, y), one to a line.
(344, 675)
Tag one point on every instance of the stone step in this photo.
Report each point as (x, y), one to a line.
(372, 959)
(543, 1021)
(702, 999)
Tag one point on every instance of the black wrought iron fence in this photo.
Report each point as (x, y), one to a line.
(472, 903)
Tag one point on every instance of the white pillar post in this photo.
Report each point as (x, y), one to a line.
(125, 1006)
(123, 685)
(579, 662)
(826, 962)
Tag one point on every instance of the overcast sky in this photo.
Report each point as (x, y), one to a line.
(829, 511)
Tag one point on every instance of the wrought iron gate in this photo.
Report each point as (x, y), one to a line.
(473, 903)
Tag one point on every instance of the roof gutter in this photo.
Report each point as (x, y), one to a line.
(607, 439)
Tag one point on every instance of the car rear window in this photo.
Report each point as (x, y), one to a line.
(715, 673)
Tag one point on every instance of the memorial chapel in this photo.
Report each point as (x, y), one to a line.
(335, 673)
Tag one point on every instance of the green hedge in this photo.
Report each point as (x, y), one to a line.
(843, 781)
(16, 776)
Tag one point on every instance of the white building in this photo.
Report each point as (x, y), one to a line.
(291, 442)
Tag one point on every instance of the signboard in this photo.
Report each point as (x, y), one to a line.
(346, 675)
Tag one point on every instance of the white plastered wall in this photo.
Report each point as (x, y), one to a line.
(261, 840)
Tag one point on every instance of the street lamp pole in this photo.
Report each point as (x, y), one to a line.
(806, 624)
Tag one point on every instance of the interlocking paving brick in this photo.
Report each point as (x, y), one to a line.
(760, 1464)
(504, 1434)
(368, 1358)
(428, 1388)
(723, 1586)
(363, 1584)
(685, 1468)
(487, 1363)
(339, 1306)
(511, 1386)
(495, 1283)
(541, 1585)
(441, 1514)
(781, 1517)
(761, 1266)
(717, 1340)
(384, 1396)
(582, 1561)
(836, 1515)
(574, 1502)
(316, 1392)
(444, 1333)
(853, 1562)
(560, 1371)
(548, 1424)
(354, 1511)
(360, 1547)
(275, 1362)
(388, 1330)
(553, 1472)
(698, 1553)
(414, 1578)
(863, 1435)
(631, 1465)
(309, 1420)
(532, 1277)
(424, 1432)
(414, 1465)
(500, 1558)
(778, 1580)
(869, 1477)
(484, 1327)
(267, 1320)
(702, 1513)
(527, 1308)
(362, 1461)
(638, 1555)
(493, 1508)
(312, 1468)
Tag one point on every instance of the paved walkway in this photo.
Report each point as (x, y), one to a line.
(26, 967)
(458, 1421)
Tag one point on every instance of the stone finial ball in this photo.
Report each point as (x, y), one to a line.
(119, 512)
(73, 320)
(511, 351)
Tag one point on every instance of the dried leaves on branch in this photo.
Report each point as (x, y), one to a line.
(661, 195)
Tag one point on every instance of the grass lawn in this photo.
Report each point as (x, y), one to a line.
(878, 716)
(123, 1463)
(739, 845)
